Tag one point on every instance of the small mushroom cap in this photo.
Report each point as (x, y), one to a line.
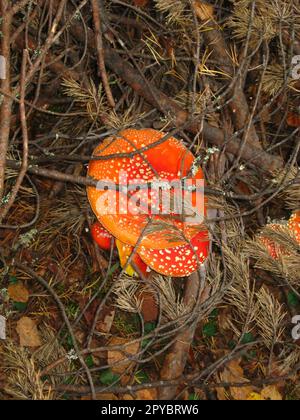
(274, 249)
(294, 225)
(166, 161)
(101, 236)
(180, 261)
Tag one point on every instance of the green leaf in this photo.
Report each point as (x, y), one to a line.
(293, 299)
(20, 306)
(149, 327)
(251, 355)
(214, 315)
(141, 377)
(145, 343)
(89, 361)
(210, 329)
(107, 377)
(69, 341)
(113, 269)
(13, 280)
(194, 397)
(247, 338)
(232, 344)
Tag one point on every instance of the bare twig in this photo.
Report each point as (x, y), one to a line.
(5, 209)
(5, 111)
(100, 51)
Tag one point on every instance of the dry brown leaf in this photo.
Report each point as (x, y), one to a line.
(108, 319)
(293, 120)
(203, 10)
(105, 320)
(127, 397)
(18, 292)
(117, 360)
(234, 373)
(28, 332)
(149, 307)
(146, 394)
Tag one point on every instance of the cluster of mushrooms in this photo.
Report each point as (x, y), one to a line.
(168, 245)
(177, 248)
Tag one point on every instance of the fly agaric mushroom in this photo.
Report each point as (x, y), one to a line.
(180, 261)
(101, 236)
(145, 157)
(167, 160)
(294, 225)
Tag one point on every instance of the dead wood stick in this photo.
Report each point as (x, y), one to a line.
(238, 104)
(175, 361)
(97, 18)
(5, 209)
(6, 107)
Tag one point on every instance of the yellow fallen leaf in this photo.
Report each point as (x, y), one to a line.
(117, 359)
(28, 332)
(268, 393)
(18, 292)
(254, 396)
(271, 393)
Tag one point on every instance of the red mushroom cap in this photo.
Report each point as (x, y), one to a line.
(166, 161)
(101, 236)
(180, 261)
(294, 225)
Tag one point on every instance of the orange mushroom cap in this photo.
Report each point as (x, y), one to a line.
(180, 261)
(101, 236)
(166, 161)
(294, 225)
